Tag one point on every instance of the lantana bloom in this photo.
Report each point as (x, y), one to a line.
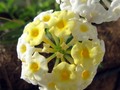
(24, 49)
(85, 75)
(35, 32)
(87, 53)
(33, 68)
(84, 31)
(60, 51)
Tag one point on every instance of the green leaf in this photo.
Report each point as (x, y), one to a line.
(3, 7)
(10, 3)
(11, 36)
(11, 25)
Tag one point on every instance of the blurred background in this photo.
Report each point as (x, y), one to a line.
(15, 14)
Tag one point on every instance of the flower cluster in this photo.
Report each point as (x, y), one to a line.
(95, 11)
(60, 51)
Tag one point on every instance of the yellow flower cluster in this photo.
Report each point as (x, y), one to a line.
(60, 51)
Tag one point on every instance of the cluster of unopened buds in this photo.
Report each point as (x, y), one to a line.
(60, 50)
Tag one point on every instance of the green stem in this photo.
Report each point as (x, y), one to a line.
(38, 49)
(71, 42)
(69, 59)
(55, 38)
(51, 50)
(48, 41)
(61, 40)
(51, 57)
(57, 62)
(68, 52)
(62, 59)
(15, 21)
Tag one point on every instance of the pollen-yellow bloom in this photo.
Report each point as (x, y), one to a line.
(84, 31)
(24, 50)
(65, 76)
(46, 17)
(87, 53)
(48, 82)
(85, 76)
(35, 32)
(63, 23)
(34, 68)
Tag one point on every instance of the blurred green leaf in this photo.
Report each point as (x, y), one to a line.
(11, 25)
(2, 7)
(11, 36)
(10, 3)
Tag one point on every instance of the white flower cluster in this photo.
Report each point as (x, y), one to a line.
(60, 51)
(95, 11)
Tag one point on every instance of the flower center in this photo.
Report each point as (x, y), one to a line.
(34, 32)
(85, 53)
(46, 18)
(51, 84)
(83, 28)
(85, 74)
(61, 24)
(65, 75)
(23, 49)
(34, 66)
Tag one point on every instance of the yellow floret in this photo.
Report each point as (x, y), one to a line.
(23, 48)
(46, 18)
(88, 53)
(84, 27)
(35, 33)
(85, 74)
(63, 23)
(85, 53)
(34, 67)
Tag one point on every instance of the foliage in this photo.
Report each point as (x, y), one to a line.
(15, 14)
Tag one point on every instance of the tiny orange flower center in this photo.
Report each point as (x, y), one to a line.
(46, 18)
(34, 32)
(65, 75)
(85, 74)
(51, 84)
(85, 53)
(34, 66)
(23, 48)
(83, 28)
(61, 24)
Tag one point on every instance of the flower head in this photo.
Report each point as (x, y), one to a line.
(34, 69)
(88, 53)
(63, 24)
(45, 17)
(65, 76)
(24, 50)
(49, 83)
(35, 33)
(59, 50)
(85, 76)
(84, 31)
